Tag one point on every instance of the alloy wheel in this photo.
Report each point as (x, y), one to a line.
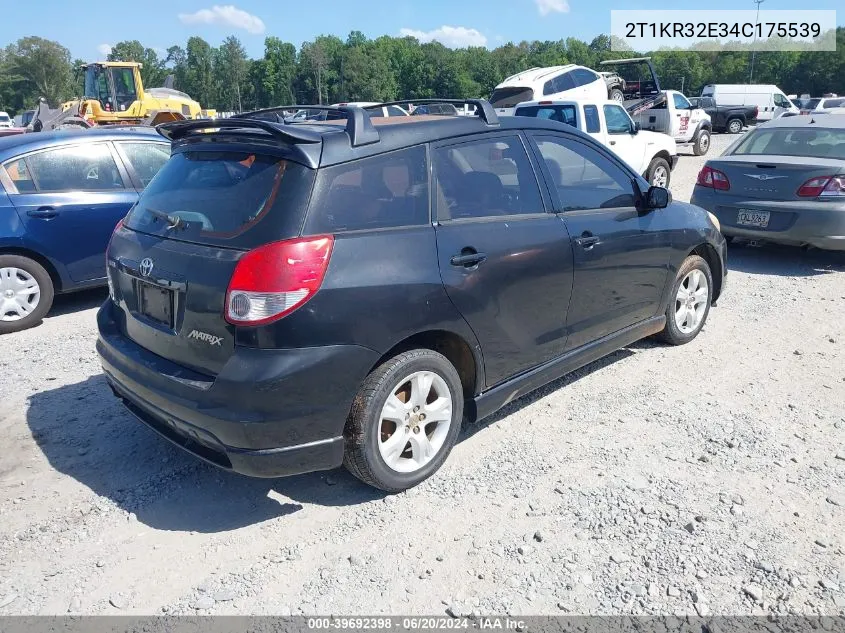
(691, 301)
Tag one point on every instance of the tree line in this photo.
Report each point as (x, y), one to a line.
(330, 69)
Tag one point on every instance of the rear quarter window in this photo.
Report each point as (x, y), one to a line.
(384, 191)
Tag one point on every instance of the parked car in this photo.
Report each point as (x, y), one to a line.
(5, 120)
(376, 109)
(726, 118)
(61, 193)
(555, 82)
(782, 182)
(446, 109)
(283, 301)
(651, 154)
(817, 105)
(770, 100)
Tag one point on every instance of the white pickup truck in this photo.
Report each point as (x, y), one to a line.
(675, 116)
(649, 153)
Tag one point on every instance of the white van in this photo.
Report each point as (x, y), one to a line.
(770, 100)
(553, 82)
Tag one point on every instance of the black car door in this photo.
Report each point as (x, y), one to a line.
(505, 262)
(621, 254)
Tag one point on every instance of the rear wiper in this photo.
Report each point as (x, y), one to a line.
(173, 221)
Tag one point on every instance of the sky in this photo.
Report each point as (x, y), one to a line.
(162, 23)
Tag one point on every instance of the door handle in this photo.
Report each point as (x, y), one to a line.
(587, 240)
(44, 213)
(468, 258)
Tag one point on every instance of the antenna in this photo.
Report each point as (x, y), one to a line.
(754, 50)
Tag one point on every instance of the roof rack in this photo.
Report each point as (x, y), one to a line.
(359, 127)
(176, 130)
(483, 108)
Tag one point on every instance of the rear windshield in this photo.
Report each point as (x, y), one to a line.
(561, 113)
(236, 199)
(812, 143)
(812, 103)
(509, 97)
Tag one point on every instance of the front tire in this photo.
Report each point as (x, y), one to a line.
(734, 126)
(702, 143)
(617, 95)
(658, 173)
(404, 420)
(689, 301)
(26, 293)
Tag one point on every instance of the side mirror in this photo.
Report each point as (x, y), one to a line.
(636, 127)
(657, 198)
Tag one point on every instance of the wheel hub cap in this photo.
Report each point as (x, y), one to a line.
(19, 294)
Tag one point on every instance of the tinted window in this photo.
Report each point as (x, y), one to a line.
(812, 103)
(583, 77)
(483, 178)
(372, 193)
(617, 120)
(561, 113)
(681, 102)
(509, 97)
(563, 82)
(591, 119)
(19, 174)
(815, 143)
(238, 199)
(88, 167)
(583, 178)
(833, 103)
(146, 158)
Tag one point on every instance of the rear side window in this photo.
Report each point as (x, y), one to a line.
(591, 119)
(388, 190)
(561, 113)
(88, 167)
(583, 77)
(483, 178)
(236, 199)
(146, 158)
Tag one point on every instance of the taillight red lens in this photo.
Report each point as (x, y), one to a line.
(823, 186)
(276, 279)
(713, 178)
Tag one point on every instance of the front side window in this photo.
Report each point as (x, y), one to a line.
(681, 102)
(124, 87)
(781, 101)
(388, 190)
(618, 121)
(484, 178)
(582, 177)
(395, 111)
(146, 158)
(88, 167)
(591, 119)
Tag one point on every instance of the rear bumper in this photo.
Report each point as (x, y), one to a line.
(268, 413)
(813, 223)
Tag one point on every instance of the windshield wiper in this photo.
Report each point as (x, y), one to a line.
(173, 221)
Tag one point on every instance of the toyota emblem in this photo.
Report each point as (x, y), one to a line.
(146, 267)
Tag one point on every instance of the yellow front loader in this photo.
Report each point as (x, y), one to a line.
(114, 95)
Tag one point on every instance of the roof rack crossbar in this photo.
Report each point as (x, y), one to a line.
(483, 108)
(358, 126)
(176, 130)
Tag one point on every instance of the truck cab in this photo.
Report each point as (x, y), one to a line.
(651, 154)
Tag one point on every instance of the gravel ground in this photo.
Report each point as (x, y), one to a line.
(708, 478)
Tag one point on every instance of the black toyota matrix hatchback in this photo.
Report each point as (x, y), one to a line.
(292, 297)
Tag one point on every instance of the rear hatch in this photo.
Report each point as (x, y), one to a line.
(171, 262)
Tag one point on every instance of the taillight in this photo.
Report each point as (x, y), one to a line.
(823, 186)
(713, 178)
(117, 227)
(276, 279)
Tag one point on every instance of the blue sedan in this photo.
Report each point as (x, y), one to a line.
(61, 195)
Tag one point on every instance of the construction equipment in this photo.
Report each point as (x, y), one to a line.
(114, 94)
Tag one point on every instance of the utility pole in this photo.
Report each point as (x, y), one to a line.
(754, 51)
(682, 84)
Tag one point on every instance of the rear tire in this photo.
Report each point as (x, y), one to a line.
(734, 126)
(689, 301)
(702, 143)
(26, 293)
(416, 394)
(658, 174)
